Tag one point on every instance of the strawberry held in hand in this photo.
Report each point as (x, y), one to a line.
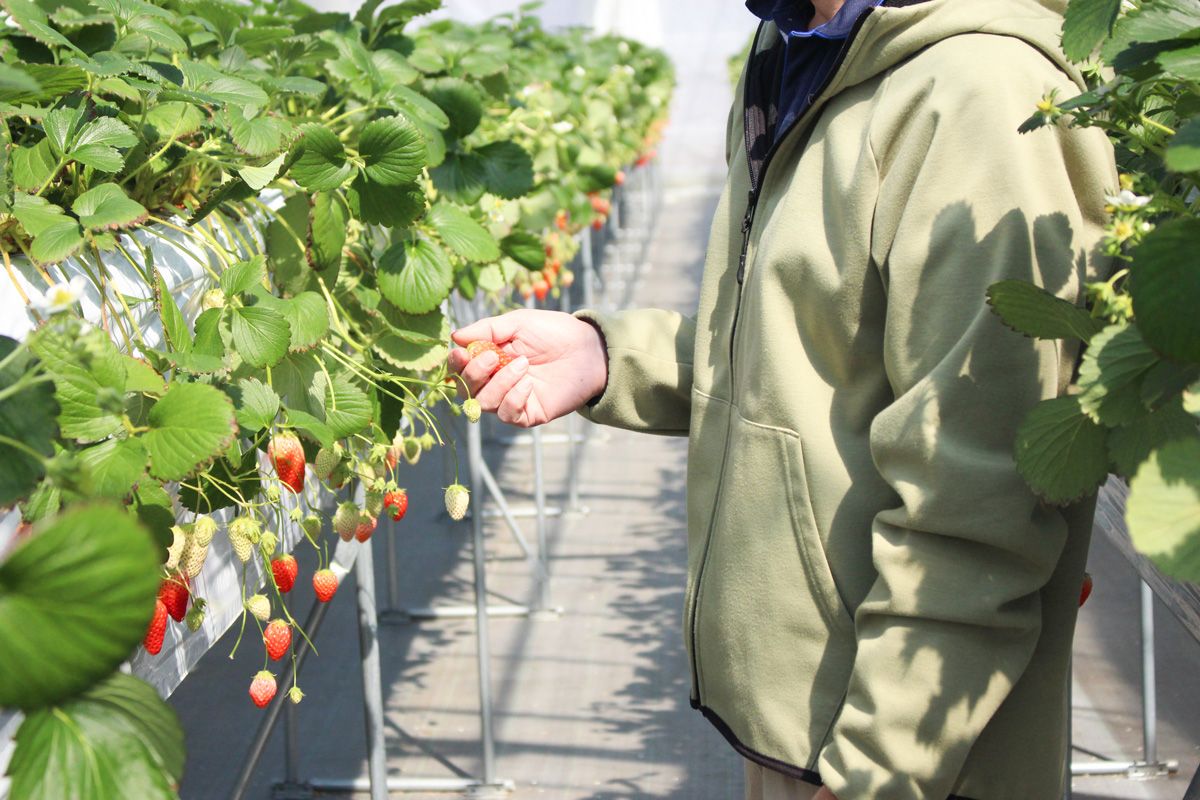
(287, 456)
(480, 346)
(285, 569)
(278, 638)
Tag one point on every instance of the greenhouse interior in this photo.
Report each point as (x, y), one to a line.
(764, 399)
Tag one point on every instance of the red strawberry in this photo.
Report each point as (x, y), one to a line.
(153, 641)
(396, 503)
(540, 288)
(262, 688)
(174, 594)
(287, 456)
(285, 569)
(525, 290)
(598, 224)
(480, 346)
(366, 526)
(620, 178)
(561, 219)
(325, 584)
(278, 638)
(1085, 591)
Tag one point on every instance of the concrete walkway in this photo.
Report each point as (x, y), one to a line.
(594, 704)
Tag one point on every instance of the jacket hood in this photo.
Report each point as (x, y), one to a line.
(898, 29)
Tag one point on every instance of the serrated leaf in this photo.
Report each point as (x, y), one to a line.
(56, 236)
(286, 247)
(86, 368)
(174, 120)
(174, 325)
(390, 206)
(507, 169)
(419, 106)
(1033, 311)
(525, 249)
(190, 426)
(393, 68)
(115, 466)
(462, 234)
(415, 276)
(312, 426)
(1085, 25)
(159, 32)
(404, 354)
(1181, 62)
(118, 739)
(74, 601)
(326, 231)
(1149, 23)
(1111, 372)
(260, 335)
(321, 165)
(306, 313)
(461, 177)
(54, 81)
(257, 178)
(255, 403)
(27, 417)
(33, 21)
(1165, 291)
(1060, 451)
(244, 275)
(151, 506)
(15, 81)
(1183, 151)
(33, 166)
(237, 92)
(392, 150)
(107, 207)
(260, 136)
(460, 101)
(347, 407)
(141, 377)
(1130, 445)
(1163, 510)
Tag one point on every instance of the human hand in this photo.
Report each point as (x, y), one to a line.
(824, 794)
(559, 363)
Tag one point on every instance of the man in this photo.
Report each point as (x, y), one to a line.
(877, 604)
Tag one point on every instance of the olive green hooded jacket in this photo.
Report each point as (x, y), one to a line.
(875, 598)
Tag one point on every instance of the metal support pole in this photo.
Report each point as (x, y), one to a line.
(393, 576)
(1070, 724)
(291, 738)
(475, 456)
(368, 646)
(311, 625)
(1193, 790)
(1149, 686)
(539, 499)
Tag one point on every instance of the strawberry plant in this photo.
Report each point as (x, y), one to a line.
(1135, 408)
(327, 180)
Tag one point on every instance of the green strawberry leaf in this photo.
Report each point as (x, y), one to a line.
(1031, 310)
(461, 177)
(114, 466)
(507, 169)
(1111, 374)
(175, 119)
(74, 601)
(347, 407)
(141, 377)
(118, 739)
(390, 206)
(190, 426)
(524, 248)
(229, 480)
(96, 144)
(27, 417)
(306, 314)
(1165, 291)
(244, 275)
(255, 403)
(309, 424)
(89, 380)
(1130, 445)
(392, 150)
(260, 136)
(260, 335)
(56, 236)
(31, 19)
(326, 231)
(257, 178)
(174, 325)
(321, 165)
(1086, 24)
(462, 234)
(415, 276)
(107, 207)
(1163, 511)
(1060, 451)
(1183, 151)
(460, 101)
(286, 247)
(33, 166)
(237, 92)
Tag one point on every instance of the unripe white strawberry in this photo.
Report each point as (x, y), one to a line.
(243, 535)
(427, 441)
(373, 503)
(267, 543)
(458, 497)
(472, 409)
(326, 462)
(203, 530)
(260, 606)
(312, 527)
(177, 546)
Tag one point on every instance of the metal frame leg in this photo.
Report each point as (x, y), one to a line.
(475, 456)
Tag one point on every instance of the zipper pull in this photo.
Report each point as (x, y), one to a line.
(747, 221)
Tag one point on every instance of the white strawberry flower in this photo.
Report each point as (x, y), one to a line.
(579, 71)
(562, 127)
(58, 297)
(1125, 200)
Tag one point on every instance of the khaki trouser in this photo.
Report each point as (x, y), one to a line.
(767, 784)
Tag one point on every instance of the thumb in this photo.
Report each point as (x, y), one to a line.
(493, 329)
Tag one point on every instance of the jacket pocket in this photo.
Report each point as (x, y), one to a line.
(774, 642)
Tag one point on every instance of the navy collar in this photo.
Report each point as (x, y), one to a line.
(792, 17)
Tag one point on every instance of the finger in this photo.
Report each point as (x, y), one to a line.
(458, 359)
(491, 395)
(493, 329)
(513, 409)
(478, 370)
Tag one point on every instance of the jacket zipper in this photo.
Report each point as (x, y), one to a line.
(747, 226)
